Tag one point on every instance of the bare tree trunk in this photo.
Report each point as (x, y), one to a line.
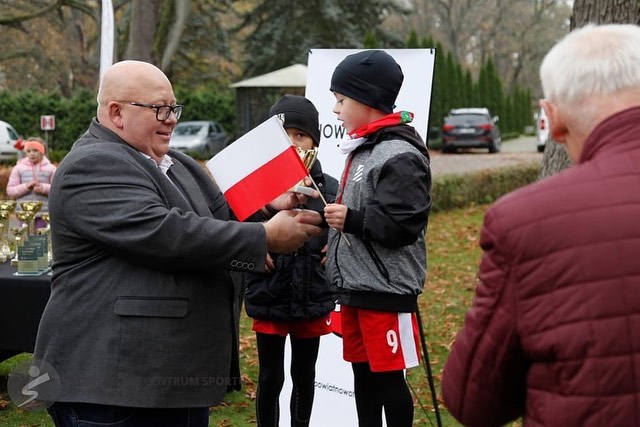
(605, 12)
(183, 7)
(598, 12)
(554, 160)
(142, 30)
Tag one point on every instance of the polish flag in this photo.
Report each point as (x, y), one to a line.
(257, 168)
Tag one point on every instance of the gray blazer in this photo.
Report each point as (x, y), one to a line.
(140, 312)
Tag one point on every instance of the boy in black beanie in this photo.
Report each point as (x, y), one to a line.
(295, 298)
(383, 205)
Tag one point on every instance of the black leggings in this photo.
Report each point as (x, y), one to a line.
(304, 353)
(375, 390)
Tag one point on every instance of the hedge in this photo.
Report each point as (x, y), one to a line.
(459, 191)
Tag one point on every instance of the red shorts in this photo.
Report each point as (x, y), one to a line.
(304, 328)
(387, 340)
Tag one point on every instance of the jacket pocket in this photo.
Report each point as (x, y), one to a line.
(219, 208)
(151, 307)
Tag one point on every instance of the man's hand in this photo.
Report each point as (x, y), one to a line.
(335, 215)
(290, 200)
(288, 230)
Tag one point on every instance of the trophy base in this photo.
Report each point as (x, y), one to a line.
(34, 273)
(307, 191)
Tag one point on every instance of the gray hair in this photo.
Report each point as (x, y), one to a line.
(590, 61)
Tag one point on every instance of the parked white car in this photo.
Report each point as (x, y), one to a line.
(542, 130)
(8, 138)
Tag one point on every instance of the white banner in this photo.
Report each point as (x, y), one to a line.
(334, 403)
(415, 96)
(106, 37)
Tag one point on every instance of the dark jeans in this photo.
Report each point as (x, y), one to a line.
(91, 415)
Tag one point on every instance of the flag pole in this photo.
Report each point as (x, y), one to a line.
(106, 36)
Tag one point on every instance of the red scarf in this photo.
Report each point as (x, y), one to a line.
(392, 119)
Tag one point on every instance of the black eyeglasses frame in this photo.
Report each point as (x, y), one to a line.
(175, 109)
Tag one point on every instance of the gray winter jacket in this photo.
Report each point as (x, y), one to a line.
(387, 189)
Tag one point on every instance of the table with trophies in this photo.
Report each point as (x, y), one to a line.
(25, 278)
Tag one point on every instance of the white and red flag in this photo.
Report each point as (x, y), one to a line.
(257, 168)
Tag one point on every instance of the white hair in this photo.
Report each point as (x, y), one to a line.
(594, 60)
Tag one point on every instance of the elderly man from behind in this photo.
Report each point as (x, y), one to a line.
(553, 334)
(139, 326)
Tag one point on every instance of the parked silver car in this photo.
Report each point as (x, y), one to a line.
(204, 137)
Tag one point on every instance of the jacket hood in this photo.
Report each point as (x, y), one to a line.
(405, 132)
(26, 162)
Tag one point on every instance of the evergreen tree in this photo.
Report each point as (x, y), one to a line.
(483, 87)
(469, 97)
(439, 105)
(370, 40)
(281, 33)
(412, 41)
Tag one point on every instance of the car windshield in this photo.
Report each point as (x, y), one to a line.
(466, 119)
(188, 130)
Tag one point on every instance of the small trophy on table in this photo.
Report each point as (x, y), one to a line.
(7, 207)
(34, 207)
(5, 250)
(46, 231)
(18, 239)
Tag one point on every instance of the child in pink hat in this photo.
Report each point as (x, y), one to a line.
(31, 177)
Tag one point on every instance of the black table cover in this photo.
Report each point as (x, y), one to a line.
(22, 300)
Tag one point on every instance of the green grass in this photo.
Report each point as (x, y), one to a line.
(453, 257)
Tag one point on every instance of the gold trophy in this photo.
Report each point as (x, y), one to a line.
(32, 206)
(46, 230)
(8, 206)
(18, 239)
(5, 250)
(308, 158)
(26, 217)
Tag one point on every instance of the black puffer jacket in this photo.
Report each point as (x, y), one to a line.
(298, 288)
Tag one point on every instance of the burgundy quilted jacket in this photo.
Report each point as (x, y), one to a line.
(554, 332)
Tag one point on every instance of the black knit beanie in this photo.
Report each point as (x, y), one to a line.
(371, 77)
(299, 113)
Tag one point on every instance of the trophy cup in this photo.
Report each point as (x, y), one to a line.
(8, 206)
(26, 217)
(308, 158)
(18, 240)
(46, 230)
(32, 206)
(5, 250)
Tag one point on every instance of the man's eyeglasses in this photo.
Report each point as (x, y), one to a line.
(162, 111)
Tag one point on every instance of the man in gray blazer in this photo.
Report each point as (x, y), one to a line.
(139, 326)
